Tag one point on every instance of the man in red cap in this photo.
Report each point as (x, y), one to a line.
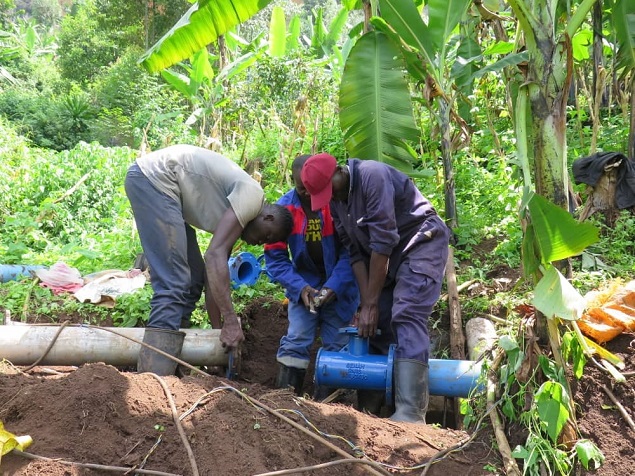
(398, 248)
(311, 262)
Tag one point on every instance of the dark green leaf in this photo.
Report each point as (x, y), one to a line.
(558, 234)
(552, 403)
(375, 105)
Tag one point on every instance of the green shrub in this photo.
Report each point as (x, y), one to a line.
(130, 101)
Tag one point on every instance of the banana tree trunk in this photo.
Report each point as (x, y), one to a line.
(550, 146)
(550, 73)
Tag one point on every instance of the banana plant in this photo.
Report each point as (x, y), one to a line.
(425, 48)
(545, 90)
(202, 24)
(202, 87)
(375, 104)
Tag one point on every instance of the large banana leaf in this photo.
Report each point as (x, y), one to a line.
(444, 16)
(203, 23)
(556, 234)
(554, 296)
(404, 17)
(624, 22)
(429, 40)
(277, 33)
(375, 104)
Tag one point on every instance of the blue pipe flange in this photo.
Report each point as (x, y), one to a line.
(244, 268)
(354, 367)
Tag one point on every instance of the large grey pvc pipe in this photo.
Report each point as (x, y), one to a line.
(23, 344)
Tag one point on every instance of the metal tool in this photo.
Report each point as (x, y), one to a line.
(316, 302)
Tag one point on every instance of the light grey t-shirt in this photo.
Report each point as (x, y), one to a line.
(205, 183)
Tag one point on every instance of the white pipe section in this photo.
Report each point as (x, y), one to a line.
(481, 337)
(23, 344)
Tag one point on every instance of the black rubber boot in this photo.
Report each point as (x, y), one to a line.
(290, 377)
(411, 391)
(370, 401)
(169, 341)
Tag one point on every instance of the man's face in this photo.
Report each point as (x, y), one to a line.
(340, 186)
(302, 192)
(262, 230)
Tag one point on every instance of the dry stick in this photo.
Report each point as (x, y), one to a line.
(620, 407)
(102, 467)
(457, 337)
(320, 466)
(511, 468)
(50, 346)
(459, 288)
(496, 319)
(177, 422)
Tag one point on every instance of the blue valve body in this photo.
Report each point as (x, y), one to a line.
(355, 368)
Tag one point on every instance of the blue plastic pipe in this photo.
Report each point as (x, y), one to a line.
(12, 272)
(454, 378)
(353, 367)
(244, 268)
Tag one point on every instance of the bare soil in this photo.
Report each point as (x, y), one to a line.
(98, 414)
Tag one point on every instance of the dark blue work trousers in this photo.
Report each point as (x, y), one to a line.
(407, 301)
(177, 269)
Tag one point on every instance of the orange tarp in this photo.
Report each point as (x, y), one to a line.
(609, 313)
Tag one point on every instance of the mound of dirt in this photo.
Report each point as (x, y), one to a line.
(101, 415)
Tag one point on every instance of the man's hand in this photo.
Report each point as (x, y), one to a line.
(367, 320)
(231, 335)
(307, 294)
(325, 296)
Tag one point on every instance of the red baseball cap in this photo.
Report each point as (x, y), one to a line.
(316, 176)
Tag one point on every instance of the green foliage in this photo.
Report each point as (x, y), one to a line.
(46, 12)
(67, 204)
(132, 310)
(195, 30)
(546, 391)
(51, 122)
(589, 454)
(128, 101)
(572, 352)
(84, 50)
(6, 6)
(617, 246)
(375, 105)
(499, 197)
(26, 298)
